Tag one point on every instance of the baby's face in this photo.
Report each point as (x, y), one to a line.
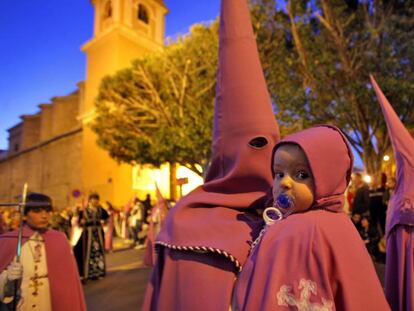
(293, 178)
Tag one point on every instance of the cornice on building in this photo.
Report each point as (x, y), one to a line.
(120, 29)
(30, 116)
(65, 98)
(10, 129)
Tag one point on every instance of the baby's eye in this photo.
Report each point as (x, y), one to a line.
(279, 175)
(303, 175)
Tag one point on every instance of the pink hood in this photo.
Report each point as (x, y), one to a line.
(330, 159)
(239, 175)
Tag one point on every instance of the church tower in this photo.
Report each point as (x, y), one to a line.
(124, 30)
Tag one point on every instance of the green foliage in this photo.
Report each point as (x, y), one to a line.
(161, 109)
(317, 57)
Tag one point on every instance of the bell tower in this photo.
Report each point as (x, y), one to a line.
(144, 17)
(124, 30)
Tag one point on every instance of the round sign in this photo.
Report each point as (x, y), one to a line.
(76, 193)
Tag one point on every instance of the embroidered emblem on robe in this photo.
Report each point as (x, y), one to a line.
(307, 287)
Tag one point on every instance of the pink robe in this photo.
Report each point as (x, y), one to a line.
(200, 274)
(313, 258)
(65, 287)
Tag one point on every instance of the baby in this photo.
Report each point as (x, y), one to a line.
(309, 256)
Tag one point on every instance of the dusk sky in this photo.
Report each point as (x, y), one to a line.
(40, 54)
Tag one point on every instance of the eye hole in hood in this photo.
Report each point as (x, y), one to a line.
(258, 142)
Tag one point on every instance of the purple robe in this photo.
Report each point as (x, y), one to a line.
(399, 272)
(399, 268)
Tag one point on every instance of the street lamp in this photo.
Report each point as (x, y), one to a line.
(386, 158)
(367, 179)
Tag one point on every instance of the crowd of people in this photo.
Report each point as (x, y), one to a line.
(366, 205)
(85, 231)
(129, 222)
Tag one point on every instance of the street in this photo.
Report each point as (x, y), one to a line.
(124, 286)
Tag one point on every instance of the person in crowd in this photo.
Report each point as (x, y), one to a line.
(385, 200)
(377, 207)
(60, 221)
(147, 206)
(349, 195)
(66, 221)
(109, 228)
(125, 217)
(360, 203)
(46, 274)
(309, 255)
(356, 220)
(75, 228)
(136, 221)
(156, 221)
(370, 235)
(90, 248)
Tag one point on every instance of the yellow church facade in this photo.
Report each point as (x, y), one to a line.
(55, 150)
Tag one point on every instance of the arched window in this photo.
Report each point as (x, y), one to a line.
(108, 10)
(143, 14)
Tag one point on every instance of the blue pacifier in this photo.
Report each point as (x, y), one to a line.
(284, 201)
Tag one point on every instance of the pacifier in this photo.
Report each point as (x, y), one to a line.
(272, 214)
(284, 201)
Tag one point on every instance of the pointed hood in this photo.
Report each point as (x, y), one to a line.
(244, 133)
(243, 116)
(400, 208)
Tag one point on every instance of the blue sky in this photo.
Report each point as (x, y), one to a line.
(40, 53)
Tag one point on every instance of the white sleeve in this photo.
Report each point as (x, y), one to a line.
(3, 281)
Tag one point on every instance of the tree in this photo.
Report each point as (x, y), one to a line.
(317, 57)
(161, 109)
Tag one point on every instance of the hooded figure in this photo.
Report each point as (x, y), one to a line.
(399, 268)
(312, 258)
(205, 239)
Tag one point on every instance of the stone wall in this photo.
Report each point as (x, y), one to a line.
(52, 167)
